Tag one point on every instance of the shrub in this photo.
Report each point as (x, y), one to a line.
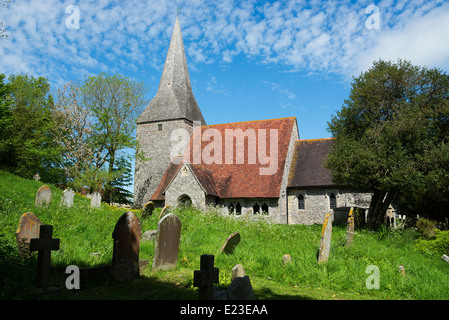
(439, 245)
(426, 228)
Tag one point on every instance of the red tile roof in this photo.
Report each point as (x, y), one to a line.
(307, 164)
(231, 178)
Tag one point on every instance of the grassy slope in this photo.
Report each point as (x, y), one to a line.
(84, 231)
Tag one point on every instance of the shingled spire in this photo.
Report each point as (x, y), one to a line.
(174, 98)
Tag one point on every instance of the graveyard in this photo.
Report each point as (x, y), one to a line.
(282, 262)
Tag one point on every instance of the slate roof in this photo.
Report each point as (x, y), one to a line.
(174, 98)
(307, 165)
(235, 180)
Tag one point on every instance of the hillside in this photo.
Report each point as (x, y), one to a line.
(86, 240)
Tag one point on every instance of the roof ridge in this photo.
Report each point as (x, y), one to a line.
(248, 121)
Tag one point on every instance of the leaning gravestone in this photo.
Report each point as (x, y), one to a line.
(147, 210)
(231, 242)
(67, 197)
(326, 234)
(237, 272)
(167, 243)
(350, 228)
(125, 256)
(27, 229)
(95, 200)
(43, 196)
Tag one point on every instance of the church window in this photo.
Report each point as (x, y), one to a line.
(159, 127)
(264, 208)
(332, 201)
(301, 204)
(256, 208)
(238, 208)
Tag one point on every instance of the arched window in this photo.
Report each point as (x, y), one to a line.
(256, 208)
(301, 205)
(184, 200)
(332, 201)
(264, 208)
(238, 208)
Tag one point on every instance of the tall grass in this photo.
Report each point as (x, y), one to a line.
(86, 240)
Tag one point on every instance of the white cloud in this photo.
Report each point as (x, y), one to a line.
(316, 36)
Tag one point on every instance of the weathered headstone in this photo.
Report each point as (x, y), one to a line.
(241, 289)
(237, 272)
(44, 245)
(326, 235)
(95, 200)
(286, 259)
(167, 243)
(67, 197)
(27, 229)
(43, 196)
(149, 235)
(125, 256)
(205, 278)
(231, 242)
(445, 258)
(147, 210)
(163, 211)
(350, 228)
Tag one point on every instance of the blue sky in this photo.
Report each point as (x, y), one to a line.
(248, 60)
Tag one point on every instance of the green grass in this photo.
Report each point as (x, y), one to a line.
(84, 231)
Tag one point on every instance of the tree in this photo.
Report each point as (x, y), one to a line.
(3, 34)
(31, 144)
(5, 118)
(98, 120)
(391, 135)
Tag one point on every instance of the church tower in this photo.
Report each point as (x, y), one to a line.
(173, 107)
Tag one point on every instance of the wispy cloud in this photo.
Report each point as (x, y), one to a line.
(310, 36)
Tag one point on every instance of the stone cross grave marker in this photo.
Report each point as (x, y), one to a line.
(67, 197)
(167, 243)
(44, 245)
(43, 196)
(326, 234)
(95, 200)
(27, 229)
(125, 254)
(205, 278)
(231, 242)
(350, 228)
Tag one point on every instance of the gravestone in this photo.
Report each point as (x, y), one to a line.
(147, 210)
(445, 258)
(125, 256)
(326, 235)
(231, 242)
(167, 243)
(286, 259)
(205, 278)
(67, 197)
(163, 211)
(95, 200)
(237, 272)
(44, 245)
(149, 235)
(27, 229)
(43, 196)
(350, 228)
(241, 289)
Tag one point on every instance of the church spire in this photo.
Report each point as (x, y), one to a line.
(174, 98)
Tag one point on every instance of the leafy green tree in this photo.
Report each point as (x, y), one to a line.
(5, 119)
(119, 192)
(32, 145)
(391, 135)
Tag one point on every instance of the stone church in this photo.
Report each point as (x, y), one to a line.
(246, 168)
